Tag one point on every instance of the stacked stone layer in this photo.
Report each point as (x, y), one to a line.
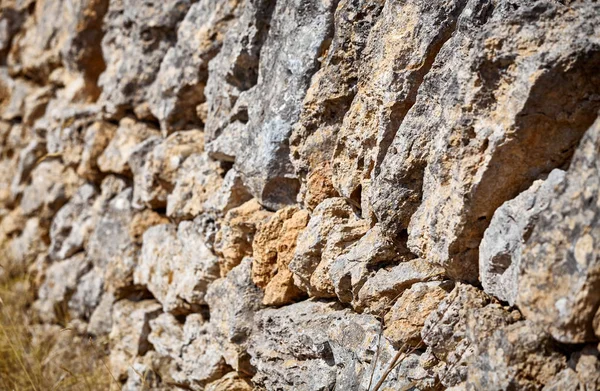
(309, 194)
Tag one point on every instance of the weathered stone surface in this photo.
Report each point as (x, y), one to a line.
(297, 38)
(273, 248)
(176, 266)
(155, 172)
(60, 282)
(59, 32)
(233, 301)
(399, 58)
(129, 334)
(198, 179)
(230, 382)
(332, 228)
(138, 36)
(302, 346)
(232, 72)
(332, 90)
(180, 82)
(350, 271)
(291, 194)
(233, 241)
(127, 136)
(379, 292)
(51, 186)
(445, 332)
(73, 224)
(401, 324)
(489, 152)
(95, 139)
(519, 356)
(560, 267)
(502, 244)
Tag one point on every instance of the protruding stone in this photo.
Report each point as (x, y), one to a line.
(233, 241)
(273, 249)
(559, 281)
(503, 241)
(176, 266)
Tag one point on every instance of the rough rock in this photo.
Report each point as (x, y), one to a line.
(399, 58)
(350, 271)
(445, 332)
(234, 239)
(379, 292)
(232, 72)
(181, 79)
(156, 172)
(128, 135)
(332, 228)
(95, 139)
(138, 36)
(297, 37)
(502, 244)
(478, 160)
(73, 224)
(233, 301)
(273, 248)
(60, 282)
(401, 324)
(560, 266)
(331, 92)
(314, 338)
(519, 356)
(129, 334)
(176, 266)
(230, 382)
(198, 179)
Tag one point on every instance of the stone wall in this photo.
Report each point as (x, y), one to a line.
(310, 194)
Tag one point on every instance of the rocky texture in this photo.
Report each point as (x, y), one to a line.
(503, 241)
(561, 264)
(306, 195)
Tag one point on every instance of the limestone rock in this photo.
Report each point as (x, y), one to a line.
(230, 382)
(129, 334)
(116, 155)
(273, 248)
(445, 331)
(488, 153)
(73, 224)
(51, 186)
(180, 81)
(145, 373)
(156, 173)
(233, 241)
(558, 285)
(59, 31)
(95, 139)
(332, 228)
(233, 301)
(406, 318)
(138, 36)
(60, 282)
(289, 57)
(197, 180)
(517, 356)
(379, 292)
(399, 59)
(176, 266)
(233, 71)
(231, 194)
(315, 338)
(331, 92)
(100, 322)
(350, 271)
(503, 241)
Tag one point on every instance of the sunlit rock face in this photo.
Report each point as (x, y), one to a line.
(309, 194)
